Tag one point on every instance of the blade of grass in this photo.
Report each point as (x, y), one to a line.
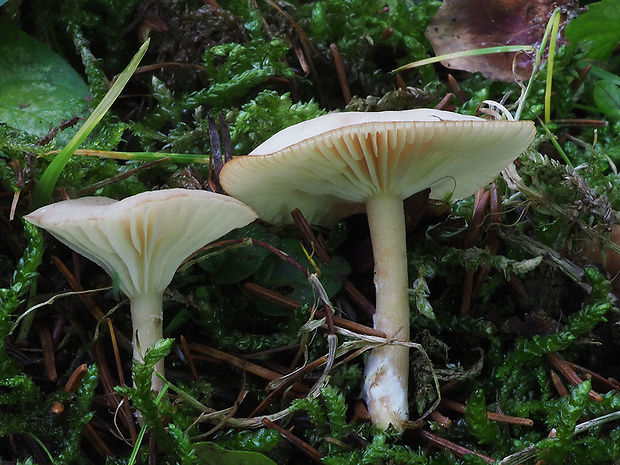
(538, 59)
(555, 25)
(556, 144)
(467, 53)
(143, 156)
(43, 191)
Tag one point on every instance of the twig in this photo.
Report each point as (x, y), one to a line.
(532, 451)
(595, 376)
(119, 177)
(188, 356)
(342, 75)
(457, 89)
(306, 448)
(313, 242)
(456, 449)
(559, 386)
(570, 375)
(250, 367)
(490, 415)
(47, 346)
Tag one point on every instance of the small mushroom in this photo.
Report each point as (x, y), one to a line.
(344, 163)
(141, 241)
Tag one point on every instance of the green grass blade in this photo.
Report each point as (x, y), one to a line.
(467, 53)
(146, 156)
(555, 21)
(43, 191)
(535, 69)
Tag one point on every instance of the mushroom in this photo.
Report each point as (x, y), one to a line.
(344, 163)
(141, 241)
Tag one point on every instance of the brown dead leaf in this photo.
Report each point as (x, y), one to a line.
(462, 25)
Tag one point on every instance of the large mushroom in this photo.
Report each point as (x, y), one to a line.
(343, 163)
(141, 241)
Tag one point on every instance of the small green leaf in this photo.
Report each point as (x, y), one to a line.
(275, 273)
(38, 89)
(607, 98)
(208, 453)
(238, 263)
(598, 28)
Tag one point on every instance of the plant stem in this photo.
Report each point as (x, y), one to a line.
(147, 318)
(387, 367)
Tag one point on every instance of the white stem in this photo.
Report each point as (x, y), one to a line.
(387, 367)
(147, 321)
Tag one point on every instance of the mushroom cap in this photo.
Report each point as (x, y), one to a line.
(144, 238)
(327, 167)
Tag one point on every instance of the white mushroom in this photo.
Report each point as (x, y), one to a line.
(344, 163)
(141, 241)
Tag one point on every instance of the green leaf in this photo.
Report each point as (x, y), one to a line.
(598, 28)
(607, 98)
(208, 453)
(275, 273)
(38, 89)
(238, 263)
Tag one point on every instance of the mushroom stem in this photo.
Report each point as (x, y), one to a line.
(387, 367)
(147, 318)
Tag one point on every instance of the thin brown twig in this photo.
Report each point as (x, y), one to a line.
(400, 82)
(188, 356)
(559, 386)
(457, 89)
(583, 74)
(271, 296)
(444, 444)
(481, 203)
(98, 444)
(440, 419)
(49, 360)
(342, 75)
(491, 415)
(313, 242)
(114, 400)
(117, 355)
(581, 123)
(569, 374)
(595, 376)
(291, 304)
(87, 300)
(119, 177)
(286, 383)
(250, 367)
(445, 103)
(306, 448)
